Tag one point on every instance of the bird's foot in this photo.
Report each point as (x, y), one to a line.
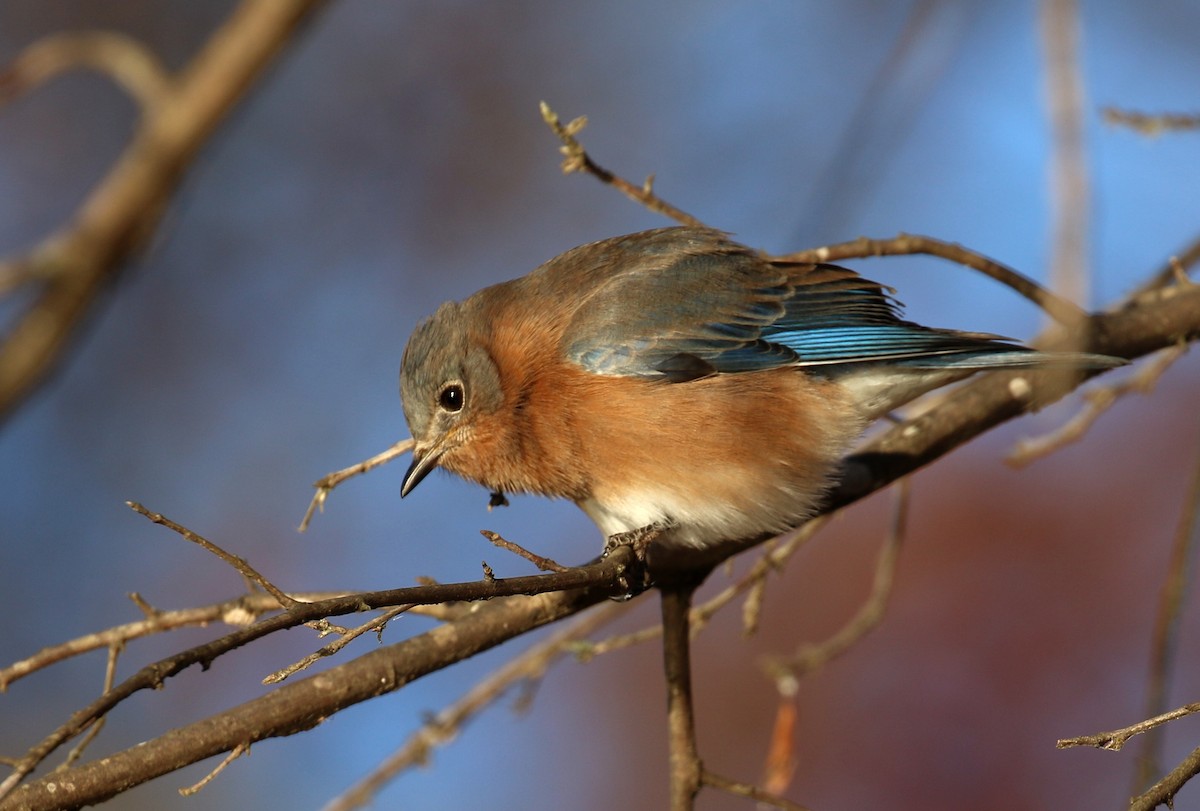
(636, 579)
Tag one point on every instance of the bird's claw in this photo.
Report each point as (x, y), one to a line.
(636, 578)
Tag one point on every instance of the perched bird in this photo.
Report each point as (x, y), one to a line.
(674, 378)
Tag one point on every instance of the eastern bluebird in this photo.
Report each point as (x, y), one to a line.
(674, 378)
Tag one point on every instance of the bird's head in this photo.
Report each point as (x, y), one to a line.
(447, 381)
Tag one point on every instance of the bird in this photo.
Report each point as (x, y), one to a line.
(676, 380)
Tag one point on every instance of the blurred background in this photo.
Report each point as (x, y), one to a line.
(394, 158)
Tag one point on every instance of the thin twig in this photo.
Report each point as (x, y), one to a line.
(812, 657)
(1173, 274)
(238, 751)
(326, 483)
(239, 612)
(1060, 309)
(1114, 740)
(240, 564)
(374, 624)
(772, 561)
(780, 764)
(110, 673)
(576, 159)
(543, 563)
(923, 51)
(788, 673)
(750, 791)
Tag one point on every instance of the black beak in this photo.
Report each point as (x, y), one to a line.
(422, 464)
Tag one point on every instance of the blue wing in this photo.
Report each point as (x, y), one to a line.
(683, 303)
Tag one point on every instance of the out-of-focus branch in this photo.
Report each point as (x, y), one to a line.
(443, 727)
(1175, 270)
(1151, 124)
(1172, 599)
(1070, 195)
(1096, 402)
(179, 114)
(122, 59)
(811, 657)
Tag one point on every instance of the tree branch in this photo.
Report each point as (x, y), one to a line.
(303, 704)
(595, 581)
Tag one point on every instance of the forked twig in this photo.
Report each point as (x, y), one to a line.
(543, 563)
(234, 754)
(576, 159)
(240, 564)
(110, 672)
(326, 483)
(603, 574)
(238, 612)
(771, 561)
(374, 624)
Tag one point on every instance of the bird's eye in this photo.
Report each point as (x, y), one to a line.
(451, 397)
